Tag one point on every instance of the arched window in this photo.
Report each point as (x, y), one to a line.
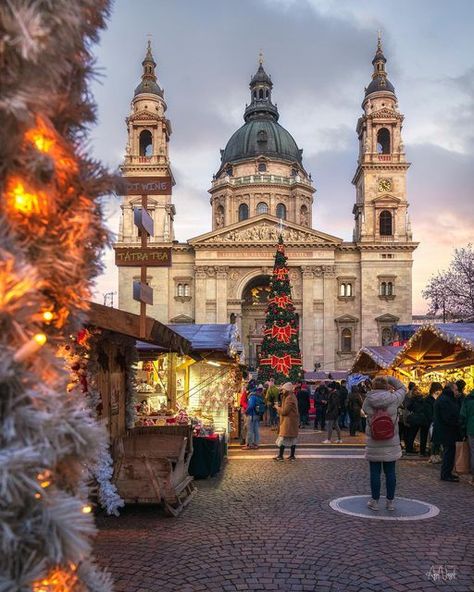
(281, 211)
(260, 94)
(385, 220)
(262, 208)
(348, 289)
(383, 141)
(146, 143)
(233, 318)
(262, 167)
(229, 171)
(346, 340)
(180, 290)
(389, 289)
(243, 212)
(383, 289)
(187, 290)
(386, 336)
(342, 290)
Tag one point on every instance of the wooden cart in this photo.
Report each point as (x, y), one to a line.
(151, 466)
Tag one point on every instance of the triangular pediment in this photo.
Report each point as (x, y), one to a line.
(346, 319)
(386, 199)
(387, 318)
(385, 113)
(265, 229)
(144, 116)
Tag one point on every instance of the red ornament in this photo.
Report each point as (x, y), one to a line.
(281, 333)
(281, 273)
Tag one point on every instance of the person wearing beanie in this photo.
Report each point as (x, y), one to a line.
(383, 401)
(289, 422)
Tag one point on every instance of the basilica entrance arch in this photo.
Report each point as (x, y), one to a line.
(254, 304)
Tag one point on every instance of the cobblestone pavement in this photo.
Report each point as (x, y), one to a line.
(263, 525)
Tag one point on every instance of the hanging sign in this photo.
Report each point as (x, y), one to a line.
(144, 186)
(148, 256)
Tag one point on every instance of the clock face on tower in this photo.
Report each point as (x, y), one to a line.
(385, 185)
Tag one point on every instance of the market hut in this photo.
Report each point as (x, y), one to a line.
(372, 360)
(438, 353)
(111, 336)
(202, 384)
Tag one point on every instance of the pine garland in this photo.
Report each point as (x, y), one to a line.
(51, 239)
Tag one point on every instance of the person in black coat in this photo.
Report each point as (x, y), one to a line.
(354, 407)
(320, 404)
(417, 420)
(447, 428)
(302, 397)
(343, 394)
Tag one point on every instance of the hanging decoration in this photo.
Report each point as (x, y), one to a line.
(219, 390)
(280, 356)
(51, 240)
(81, 355)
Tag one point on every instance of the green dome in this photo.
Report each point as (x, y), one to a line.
(261, 137)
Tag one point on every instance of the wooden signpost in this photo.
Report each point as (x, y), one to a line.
(143, 256)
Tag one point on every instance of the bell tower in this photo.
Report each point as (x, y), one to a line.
(381, 208)
(146, 168)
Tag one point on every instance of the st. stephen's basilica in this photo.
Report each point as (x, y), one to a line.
(347, 294)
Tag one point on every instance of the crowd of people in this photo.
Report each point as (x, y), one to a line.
(391, 415)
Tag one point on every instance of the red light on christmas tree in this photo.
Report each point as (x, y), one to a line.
(280, 356)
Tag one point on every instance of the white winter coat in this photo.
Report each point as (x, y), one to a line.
(384, 450)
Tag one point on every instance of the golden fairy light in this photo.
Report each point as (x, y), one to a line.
(87, 509)
(57, 580)
(24, 201)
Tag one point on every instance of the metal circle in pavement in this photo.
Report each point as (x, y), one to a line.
(405, 508)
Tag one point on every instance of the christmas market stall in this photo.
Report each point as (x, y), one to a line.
(102, 360)
(199, 389)
(372, 360)
(443, 352)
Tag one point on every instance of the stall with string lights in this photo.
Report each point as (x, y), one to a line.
(372, 360)
(441, 353)
(201, 387)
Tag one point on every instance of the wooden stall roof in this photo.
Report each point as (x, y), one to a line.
(438, 347)
(209, 341)
(322, 376)
(371, 359)
(128, 323)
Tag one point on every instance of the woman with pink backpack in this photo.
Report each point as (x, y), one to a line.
(383, 442)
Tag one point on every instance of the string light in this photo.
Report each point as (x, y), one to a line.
(57, 580)
(23, 201)
(30, 347)
(86, 509)
(48, 316)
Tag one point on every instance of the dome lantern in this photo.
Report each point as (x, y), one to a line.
(148, 83)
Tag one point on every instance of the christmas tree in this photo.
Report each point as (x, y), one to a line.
(280, 356)
(51, 240)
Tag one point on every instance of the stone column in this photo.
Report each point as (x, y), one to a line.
(330, 334)
(307, 332)
(221, 294)
(200, 294)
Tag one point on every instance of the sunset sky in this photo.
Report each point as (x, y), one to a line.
(319, 54)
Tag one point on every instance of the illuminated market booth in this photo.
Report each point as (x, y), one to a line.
(203, 385)
(372, 360)
(443, 352)
(164, 397)
(434, 352)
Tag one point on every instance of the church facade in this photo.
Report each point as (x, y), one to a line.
(347, 294)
